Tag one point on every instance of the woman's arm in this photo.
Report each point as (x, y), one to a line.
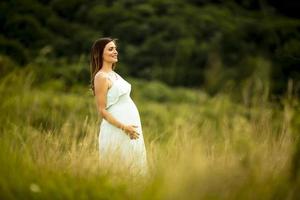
(101, 88)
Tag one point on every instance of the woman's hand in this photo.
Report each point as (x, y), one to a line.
(130, 130)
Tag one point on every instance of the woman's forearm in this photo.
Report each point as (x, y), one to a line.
(111, 119)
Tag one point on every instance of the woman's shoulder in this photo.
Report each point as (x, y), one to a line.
(101, 74)
(101, 77)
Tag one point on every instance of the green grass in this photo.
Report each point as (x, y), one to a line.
(198, 147)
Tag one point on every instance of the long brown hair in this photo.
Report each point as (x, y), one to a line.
(96, 59)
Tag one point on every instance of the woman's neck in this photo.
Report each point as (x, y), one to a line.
(106, 67)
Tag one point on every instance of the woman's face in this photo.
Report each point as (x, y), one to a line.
(110, 53)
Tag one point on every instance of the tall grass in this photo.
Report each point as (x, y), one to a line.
(198, 147)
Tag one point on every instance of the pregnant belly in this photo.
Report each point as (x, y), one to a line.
(125, 111)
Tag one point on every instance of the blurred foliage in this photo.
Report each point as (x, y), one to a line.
(209, 44)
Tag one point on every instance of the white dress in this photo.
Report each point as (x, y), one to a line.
(117, 150)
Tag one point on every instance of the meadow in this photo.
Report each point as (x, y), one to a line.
(198, 146)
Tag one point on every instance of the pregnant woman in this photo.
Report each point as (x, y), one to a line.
(121, 142)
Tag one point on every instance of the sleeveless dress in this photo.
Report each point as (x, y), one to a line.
(117, 150)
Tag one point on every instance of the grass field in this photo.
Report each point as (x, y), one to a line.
(198, 147)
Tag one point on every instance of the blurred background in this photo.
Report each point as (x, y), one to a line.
(211, 44)
(216, 83)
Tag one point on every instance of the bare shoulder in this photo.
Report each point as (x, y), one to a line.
(100, 74)
(101, 79)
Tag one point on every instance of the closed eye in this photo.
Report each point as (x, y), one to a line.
(112, 48)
